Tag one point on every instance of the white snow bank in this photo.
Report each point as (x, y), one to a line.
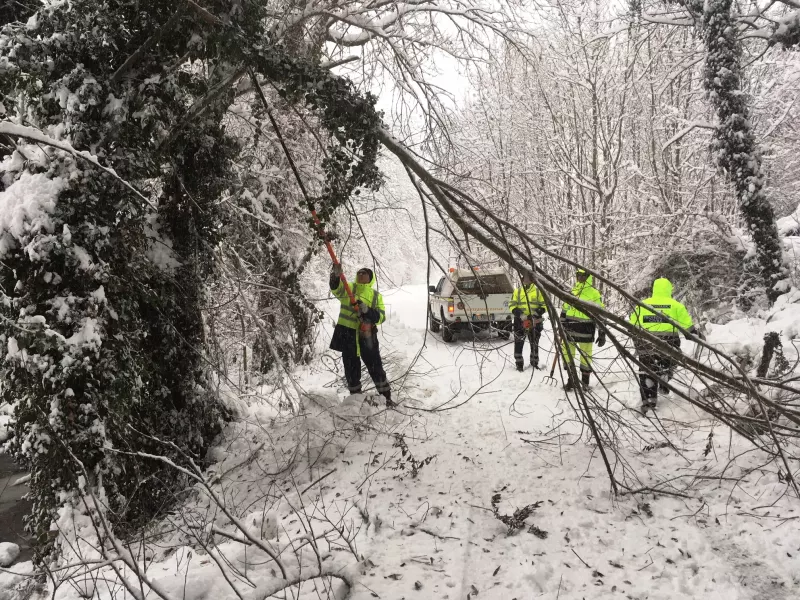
(744, 337)
(784, 317)
(790, 225)
(738, 337)
(8, 554)
(10, 579)
(787, 23)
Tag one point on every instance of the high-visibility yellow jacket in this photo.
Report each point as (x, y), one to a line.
(348, 315)
(528, 299)
(586, 292)
(664, 306)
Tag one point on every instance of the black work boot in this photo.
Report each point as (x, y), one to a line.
(389, 402)
(662, 387)
(570, 385)
(520, 367)
(585, 379)
(534, 361)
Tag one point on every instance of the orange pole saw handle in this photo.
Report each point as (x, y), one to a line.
(335, 260)
(299, 179)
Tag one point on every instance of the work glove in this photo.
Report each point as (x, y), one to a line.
(333, 281)
(517, 312)
(336, 270)
(601, 339)
(362, 308)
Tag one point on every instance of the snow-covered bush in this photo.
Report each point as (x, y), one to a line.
(103, 286)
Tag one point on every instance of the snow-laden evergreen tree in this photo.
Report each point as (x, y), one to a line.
(736, 147)
(103, 288)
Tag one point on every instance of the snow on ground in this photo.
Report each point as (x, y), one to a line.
(494, 431)
(8, 553)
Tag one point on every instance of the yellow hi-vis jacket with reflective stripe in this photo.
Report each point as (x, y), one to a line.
(665, 306)
(529, 299)
(348, 315)
(586, 292)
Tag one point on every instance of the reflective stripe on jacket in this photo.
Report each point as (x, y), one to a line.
(664, 306)
(529, 299)
(348, 315)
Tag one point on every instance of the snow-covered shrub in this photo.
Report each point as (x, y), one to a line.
(711, 277)
(716, 272)
(270, 240)
(103, 286)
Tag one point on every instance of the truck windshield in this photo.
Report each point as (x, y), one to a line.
(484, 285)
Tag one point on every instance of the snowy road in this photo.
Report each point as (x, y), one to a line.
(476, 428)
(595, 546)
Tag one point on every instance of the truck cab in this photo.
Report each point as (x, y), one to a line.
(471, 299)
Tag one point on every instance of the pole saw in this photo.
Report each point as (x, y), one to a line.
(336, 263)
(366, 328)
(334, 260)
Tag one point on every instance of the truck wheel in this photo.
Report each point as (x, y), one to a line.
(447, 333)
(432, 322)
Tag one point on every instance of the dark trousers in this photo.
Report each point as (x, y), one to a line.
(371, 356)
(533, 334)
(662, 366)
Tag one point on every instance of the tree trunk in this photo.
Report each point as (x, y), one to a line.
(735, 145)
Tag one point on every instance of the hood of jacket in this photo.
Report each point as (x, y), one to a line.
(371, 283)
(581, 285)
(662, 287)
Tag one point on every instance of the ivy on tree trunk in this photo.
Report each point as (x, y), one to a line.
(735, 144)
(102, 291)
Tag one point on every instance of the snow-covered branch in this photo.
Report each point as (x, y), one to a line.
(34, 135)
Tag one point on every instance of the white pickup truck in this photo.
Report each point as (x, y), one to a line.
(471, 299)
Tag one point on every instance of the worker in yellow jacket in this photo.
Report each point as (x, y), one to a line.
(656, 368)
(356, 332)
(579, 329)
(528, 307)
